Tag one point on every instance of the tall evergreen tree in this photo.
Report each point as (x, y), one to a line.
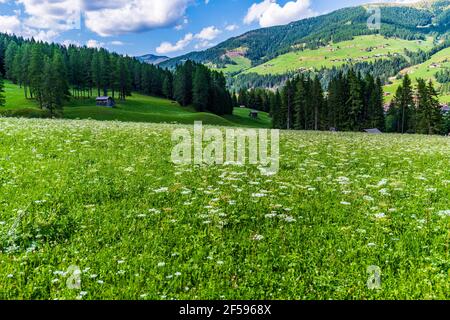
(355, 103)
(36, 75)
(200, 89)
(167, 87)
(404, 102)
(2, 92)
(428, 117)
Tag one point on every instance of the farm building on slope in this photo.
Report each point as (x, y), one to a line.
(105, 102)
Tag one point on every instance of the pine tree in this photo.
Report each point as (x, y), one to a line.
(59, 84)
(10, 54)
(243, 97)
(300, 103)
(318, 102)
(167, 87)
(288, 105)
(200, 88)
(276, 111)
(96, 72)
(122, 79)
(36, 74)
(405, 105)
(429, 117)
(182, 84)
(423, 107)
(2, 92)
(377, 101)
(435, 110)
(355, 103)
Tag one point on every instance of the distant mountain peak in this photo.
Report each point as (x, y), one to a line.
(152, 59)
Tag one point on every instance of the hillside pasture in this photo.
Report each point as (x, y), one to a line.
(360, 49)
(137, 108)
(426, 70)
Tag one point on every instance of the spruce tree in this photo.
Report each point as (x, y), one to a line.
(200, 88)
(405, 105)
(167, 87)
(2, 92)
(355, 103)
(318, 102)
(59, 83)
(36, 74)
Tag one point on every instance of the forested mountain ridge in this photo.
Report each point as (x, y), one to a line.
(403, 21)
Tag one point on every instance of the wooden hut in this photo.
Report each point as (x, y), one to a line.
(105, 102)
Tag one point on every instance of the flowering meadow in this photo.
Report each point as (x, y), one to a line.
(102, 203)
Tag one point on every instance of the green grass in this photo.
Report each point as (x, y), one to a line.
(343, 52)
(137, 108)
(242, 63)
(105, 197)
(425, 71)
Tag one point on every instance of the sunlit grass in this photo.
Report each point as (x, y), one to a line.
(104, 196)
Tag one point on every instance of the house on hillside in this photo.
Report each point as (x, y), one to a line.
(105, 102)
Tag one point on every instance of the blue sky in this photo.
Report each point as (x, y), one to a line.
(164, 27)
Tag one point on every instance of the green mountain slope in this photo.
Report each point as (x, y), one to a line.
(427, 70)
(262, 45)
(360, 49)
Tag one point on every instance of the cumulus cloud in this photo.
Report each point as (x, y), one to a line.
(106, 18)
(269, 13)
(94, 44)
(167, 47)
(231, 27)
(9, 24)
(55, 15)
(202, 38)
(208, 33)
(127, 16)
(13, 25)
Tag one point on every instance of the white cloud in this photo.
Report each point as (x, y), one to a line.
(203, 41)
(69, 42)
(13, 25)
(94, 44)
(203, 45)
(55, 15)
(127, 16)
(117, 43)
(106, 18)
(269, 13)
(10, 24)
(208, 33)
(167, 47)
(231, 27)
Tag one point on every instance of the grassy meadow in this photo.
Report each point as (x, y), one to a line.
(137, 108)
(105, 197)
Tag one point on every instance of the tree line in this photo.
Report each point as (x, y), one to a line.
(417, 110)
(2, 92)
(195, 84)
(51, 74)
(352, 103)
